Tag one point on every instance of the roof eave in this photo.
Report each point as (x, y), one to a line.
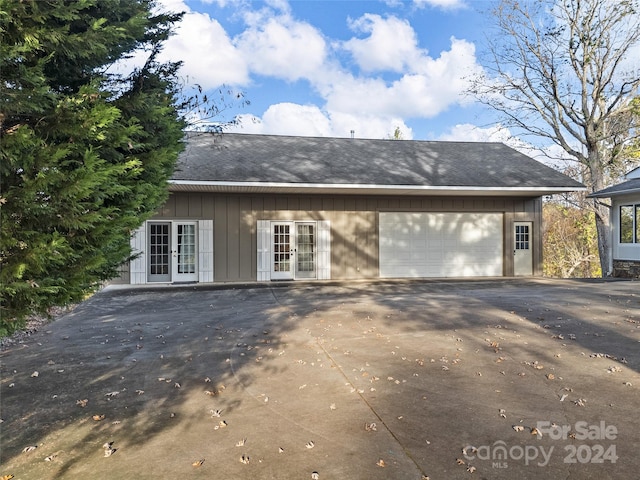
(617, 193)
(357, 189)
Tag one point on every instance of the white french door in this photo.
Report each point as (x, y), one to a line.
(185, 252)
(293, 247)
(159, 252)
(173, 252)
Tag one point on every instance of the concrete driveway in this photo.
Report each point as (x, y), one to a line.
(496, 379)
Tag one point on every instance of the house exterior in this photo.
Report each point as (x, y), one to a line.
(260, 208)
(624, 243)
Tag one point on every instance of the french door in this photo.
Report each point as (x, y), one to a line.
(293, 247)
(172, 251)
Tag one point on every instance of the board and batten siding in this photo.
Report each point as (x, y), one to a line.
(353, 220)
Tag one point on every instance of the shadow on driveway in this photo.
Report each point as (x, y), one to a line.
(365, 380)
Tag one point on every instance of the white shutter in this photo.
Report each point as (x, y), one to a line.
(205, 251)
(323, 247)
(264, 255)
(138, 266)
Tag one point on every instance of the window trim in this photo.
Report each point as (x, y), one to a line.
(634, 227)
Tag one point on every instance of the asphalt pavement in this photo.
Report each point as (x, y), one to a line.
(495, 379)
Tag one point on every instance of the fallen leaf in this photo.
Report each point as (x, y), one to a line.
(381, 463)
(370, 427)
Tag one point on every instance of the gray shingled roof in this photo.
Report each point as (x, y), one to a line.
(231, 162)
(630, 186)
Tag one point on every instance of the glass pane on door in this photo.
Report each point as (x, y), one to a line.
(281, 248)
(305, 250)
(186, 246)
(159, 252)
(522, 237)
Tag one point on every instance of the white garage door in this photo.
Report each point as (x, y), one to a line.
(440, 244)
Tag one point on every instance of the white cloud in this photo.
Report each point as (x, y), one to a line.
(171, 6)
(310, 120)
(210, 59)
(391, 45)
(409, 82)
(444, 4)
(293, 119)
(436, 85)
(368, 126)
(283, 48)
(467, 132)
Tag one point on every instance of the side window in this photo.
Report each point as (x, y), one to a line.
(626, 223)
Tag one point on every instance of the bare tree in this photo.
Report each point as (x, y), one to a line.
(562, 71)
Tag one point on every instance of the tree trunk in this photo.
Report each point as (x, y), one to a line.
(602, 227)
(596, 162)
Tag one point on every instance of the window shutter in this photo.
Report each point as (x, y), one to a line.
(264, 255)
(324, 250)
(138, 266)
(205, 251)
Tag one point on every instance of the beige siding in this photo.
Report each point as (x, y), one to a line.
(354, 225)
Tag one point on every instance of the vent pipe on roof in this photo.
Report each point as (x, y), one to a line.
(353, 134)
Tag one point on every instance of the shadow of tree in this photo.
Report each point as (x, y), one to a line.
(159, 364)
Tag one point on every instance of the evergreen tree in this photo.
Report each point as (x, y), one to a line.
(85, 156)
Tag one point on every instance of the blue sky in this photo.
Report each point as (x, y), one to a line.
(324, 68)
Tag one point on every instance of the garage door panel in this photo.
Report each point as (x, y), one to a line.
(440, 244)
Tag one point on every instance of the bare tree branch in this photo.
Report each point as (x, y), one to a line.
(556, 70)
